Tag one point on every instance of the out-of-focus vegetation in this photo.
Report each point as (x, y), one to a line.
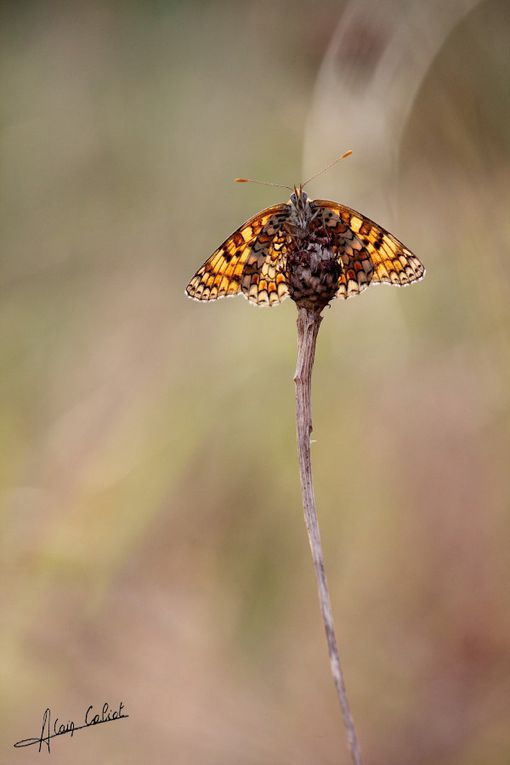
(152, 545)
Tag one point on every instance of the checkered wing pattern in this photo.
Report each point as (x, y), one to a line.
(250, 262)
(368, 253)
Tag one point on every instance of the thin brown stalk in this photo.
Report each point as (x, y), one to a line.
(308, 324)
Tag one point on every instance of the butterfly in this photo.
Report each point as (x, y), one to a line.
(312, 250)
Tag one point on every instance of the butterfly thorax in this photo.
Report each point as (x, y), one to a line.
(312, 268)
(300, 212)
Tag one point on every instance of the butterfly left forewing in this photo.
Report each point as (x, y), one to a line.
(392, 262)
(246, 262)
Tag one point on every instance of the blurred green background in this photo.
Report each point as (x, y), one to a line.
(152, 545)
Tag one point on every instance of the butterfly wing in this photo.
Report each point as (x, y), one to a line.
(369, 254)
(248, 262)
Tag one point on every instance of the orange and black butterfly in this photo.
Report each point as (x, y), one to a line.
(343, 251)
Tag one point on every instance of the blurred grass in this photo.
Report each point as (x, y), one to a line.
(152, 542)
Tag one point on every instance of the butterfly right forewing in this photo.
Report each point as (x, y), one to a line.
(372, 255)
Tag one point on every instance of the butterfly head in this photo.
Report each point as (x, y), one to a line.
(299, 198)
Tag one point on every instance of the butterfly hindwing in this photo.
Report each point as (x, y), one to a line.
(247, 262)
(263, 281)
(357, 266)
(377, 256)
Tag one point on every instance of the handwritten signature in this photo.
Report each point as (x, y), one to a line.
(50, 730)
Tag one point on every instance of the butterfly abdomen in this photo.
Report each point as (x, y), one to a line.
(312, 275)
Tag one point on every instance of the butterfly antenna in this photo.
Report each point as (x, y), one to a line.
(262, 183)
(344, 155)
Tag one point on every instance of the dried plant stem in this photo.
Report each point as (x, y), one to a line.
(308, 324)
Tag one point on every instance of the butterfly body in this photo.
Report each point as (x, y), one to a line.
(309, 250)
(311, 269)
